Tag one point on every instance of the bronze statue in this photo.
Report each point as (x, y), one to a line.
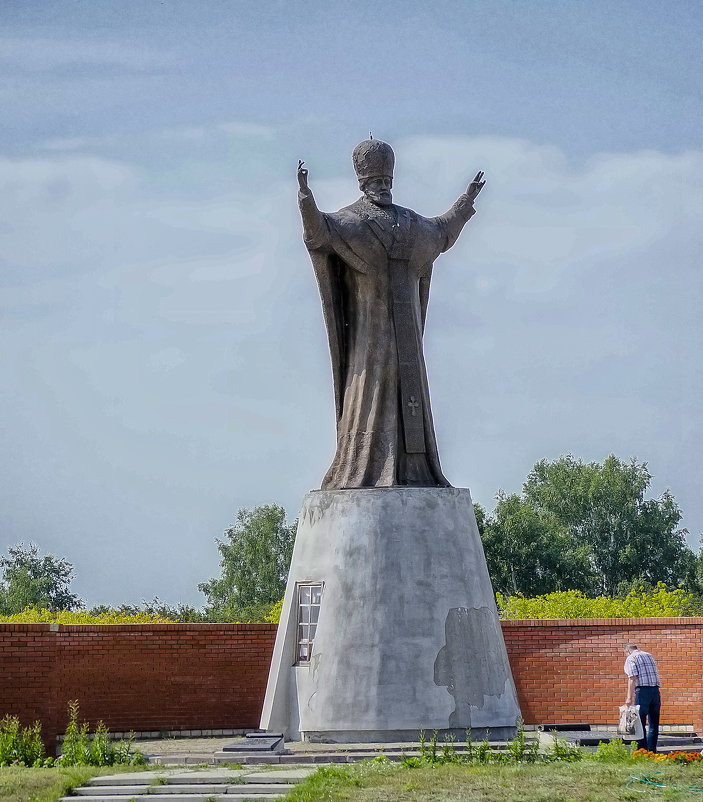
(373, 263)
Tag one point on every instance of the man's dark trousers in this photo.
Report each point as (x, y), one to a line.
(649, 700)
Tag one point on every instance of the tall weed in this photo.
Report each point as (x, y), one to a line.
(20, 745)
(519, 749)
(82, 749)
(75, 750)
(562, 750)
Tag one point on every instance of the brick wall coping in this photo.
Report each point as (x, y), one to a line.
(176, 626)
(603, 622)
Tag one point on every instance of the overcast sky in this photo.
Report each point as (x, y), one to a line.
(163, 355)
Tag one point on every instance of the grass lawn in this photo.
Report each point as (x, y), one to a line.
(582, 781)
(46, 785)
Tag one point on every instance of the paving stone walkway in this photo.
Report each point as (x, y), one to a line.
(192, 785)
(265, 776)
(199, 751)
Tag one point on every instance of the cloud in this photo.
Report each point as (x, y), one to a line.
(185, 134)
(188, 136)
(549, 218)
(67, 143)
(38, 54)
(249, 130)
(27, 182)
(61, 215)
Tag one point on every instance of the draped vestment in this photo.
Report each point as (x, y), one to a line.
(373, 266)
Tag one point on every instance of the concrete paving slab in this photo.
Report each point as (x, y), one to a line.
(245, 796)
(208, 775)
(264, 760)
(185, 759)
(185, 788)
(128, 778)
(139, 790)
(110, 790)
(257, 744)
(193, 785)
(280, 775)
(163, 746)
(255, 789)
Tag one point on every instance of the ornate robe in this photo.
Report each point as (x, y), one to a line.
(373, 266)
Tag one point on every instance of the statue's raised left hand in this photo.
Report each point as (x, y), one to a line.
(302, 177)
(475, 186)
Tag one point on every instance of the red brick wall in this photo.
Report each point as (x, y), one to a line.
(27, 674)
(573, 670)
(136, 677)
(213, 676)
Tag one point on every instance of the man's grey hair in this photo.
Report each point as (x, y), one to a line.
(630, 647)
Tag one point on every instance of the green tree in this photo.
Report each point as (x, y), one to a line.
(695, 583)
(480, 514)
(527, 552)
(254, 556)
(588, 527)
(29, 580)
(602, 506)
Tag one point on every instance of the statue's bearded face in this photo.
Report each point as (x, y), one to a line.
(378, 190)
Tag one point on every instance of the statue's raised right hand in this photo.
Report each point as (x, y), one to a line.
(475, 186)
(302, 176)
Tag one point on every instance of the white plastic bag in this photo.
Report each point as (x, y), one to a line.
(630, 724)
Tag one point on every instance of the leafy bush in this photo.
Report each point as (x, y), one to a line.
(18, 745)
(615, 751)
(81, 749)
(35, 615)
(574, 604)
(274, 615)
(146, 614)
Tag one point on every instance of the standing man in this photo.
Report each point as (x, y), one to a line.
(643, 690)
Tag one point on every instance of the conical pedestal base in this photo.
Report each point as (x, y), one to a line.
(407, 635)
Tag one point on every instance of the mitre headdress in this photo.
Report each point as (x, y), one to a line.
(373, 159)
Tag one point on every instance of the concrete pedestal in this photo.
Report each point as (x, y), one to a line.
(408, 635)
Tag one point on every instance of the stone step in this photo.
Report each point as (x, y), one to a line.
(171, 789)
(181, 785)
(229, 777)
(243, 795)
(317, 758)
